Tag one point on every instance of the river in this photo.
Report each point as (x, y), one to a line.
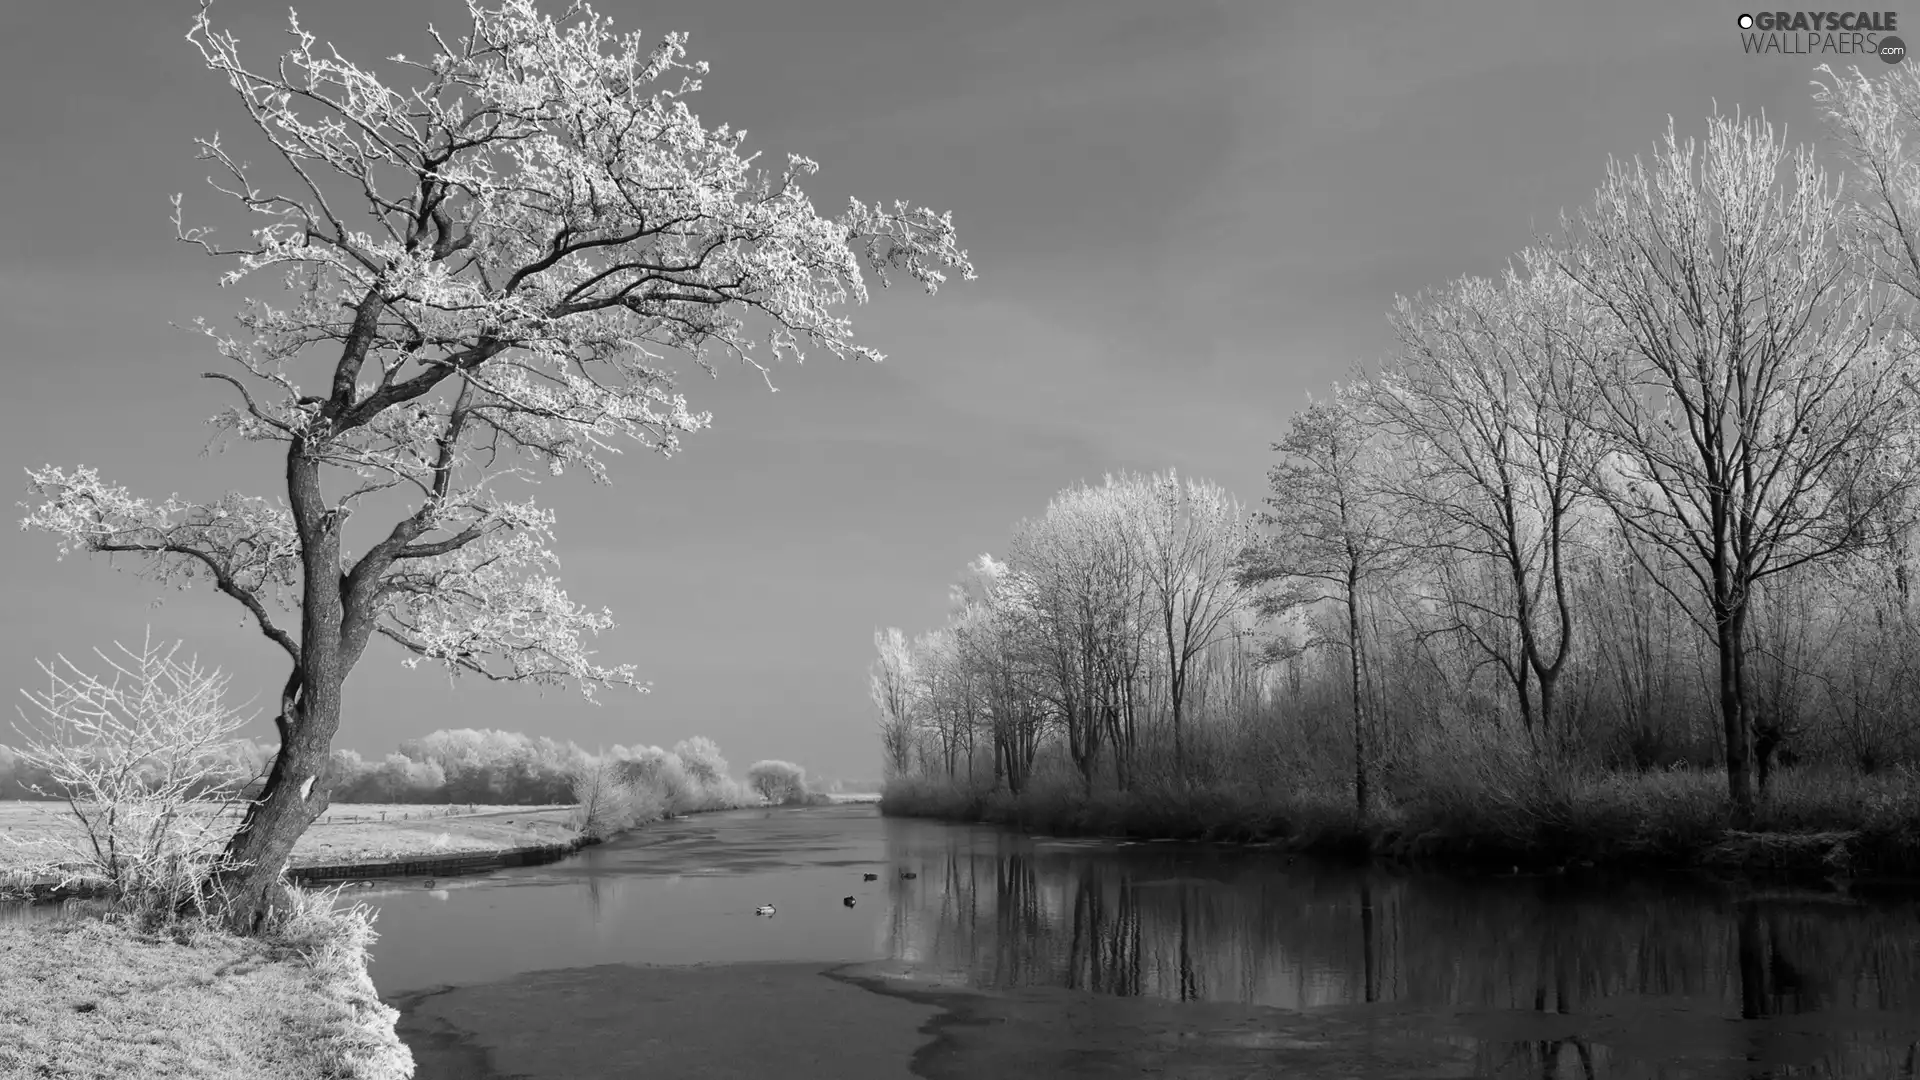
(1010, 955)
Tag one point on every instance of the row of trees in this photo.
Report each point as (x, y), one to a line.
(1097, 628)
(1662, 469)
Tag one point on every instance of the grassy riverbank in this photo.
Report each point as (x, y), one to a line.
(89, 996)
(110, 994)
(97, 998)
(1814, 825)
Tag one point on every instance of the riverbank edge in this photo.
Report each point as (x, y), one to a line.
(469, 862)
(343, 977)
(1827, 859)
(309, 985)
(475, 862)
(421, 864)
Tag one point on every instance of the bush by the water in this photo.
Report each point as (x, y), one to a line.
(782, 783)
(630, 786)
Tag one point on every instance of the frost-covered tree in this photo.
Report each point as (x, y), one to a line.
(1075, 558)
(1488, 406)
(1331, 536)
(990, 619)
(777, 781)
(1756, 417)
(483, 272)
(700, 757)
(1193, 533)
(891, 683)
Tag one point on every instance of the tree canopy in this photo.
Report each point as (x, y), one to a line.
(482, 274)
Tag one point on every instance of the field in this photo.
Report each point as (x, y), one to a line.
(355, 832)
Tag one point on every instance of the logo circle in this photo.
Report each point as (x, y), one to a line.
(1746, 22)
(1892, 49)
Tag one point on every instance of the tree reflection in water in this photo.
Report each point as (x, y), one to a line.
(1547, 978)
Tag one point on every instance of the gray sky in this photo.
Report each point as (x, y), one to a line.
(1186, 217)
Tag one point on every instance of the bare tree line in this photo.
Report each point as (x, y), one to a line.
(1645, 499)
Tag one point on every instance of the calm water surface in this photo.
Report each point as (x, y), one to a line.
(1520, 976)
(1536, 977)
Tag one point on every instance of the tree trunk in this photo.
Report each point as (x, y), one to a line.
(309, 715)
(1029, 745)
(1731, 622)
(1764, 713)
(1523, 689)
(972, 750)
(1524, 685)
(1087, 754)
(292, 800)
(1002, 752)
(1559, 750)
(1177, 690)
(1555, 740)
(1176, 686)
(1359, 715)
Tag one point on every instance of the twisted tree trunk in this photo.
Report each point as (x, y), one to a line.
(334, 627)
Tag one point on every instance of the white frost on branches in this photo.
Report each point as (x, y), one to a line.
(491, 264)
(243, 539)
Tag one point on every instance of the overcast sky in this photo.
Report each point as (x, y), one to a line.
(1186, 218)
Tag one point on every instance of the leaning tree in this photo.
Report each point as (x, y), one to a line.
(490, 264)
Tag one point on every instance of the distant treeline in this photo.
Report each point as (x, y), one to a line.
(457, 766)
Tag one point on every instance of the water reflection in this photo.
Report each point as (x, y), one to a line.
(1538, 977)
(1541, 978)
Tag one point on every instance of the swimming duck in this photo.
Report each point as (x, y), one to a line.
(848, 901)
(763, 909)
(869, 877)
